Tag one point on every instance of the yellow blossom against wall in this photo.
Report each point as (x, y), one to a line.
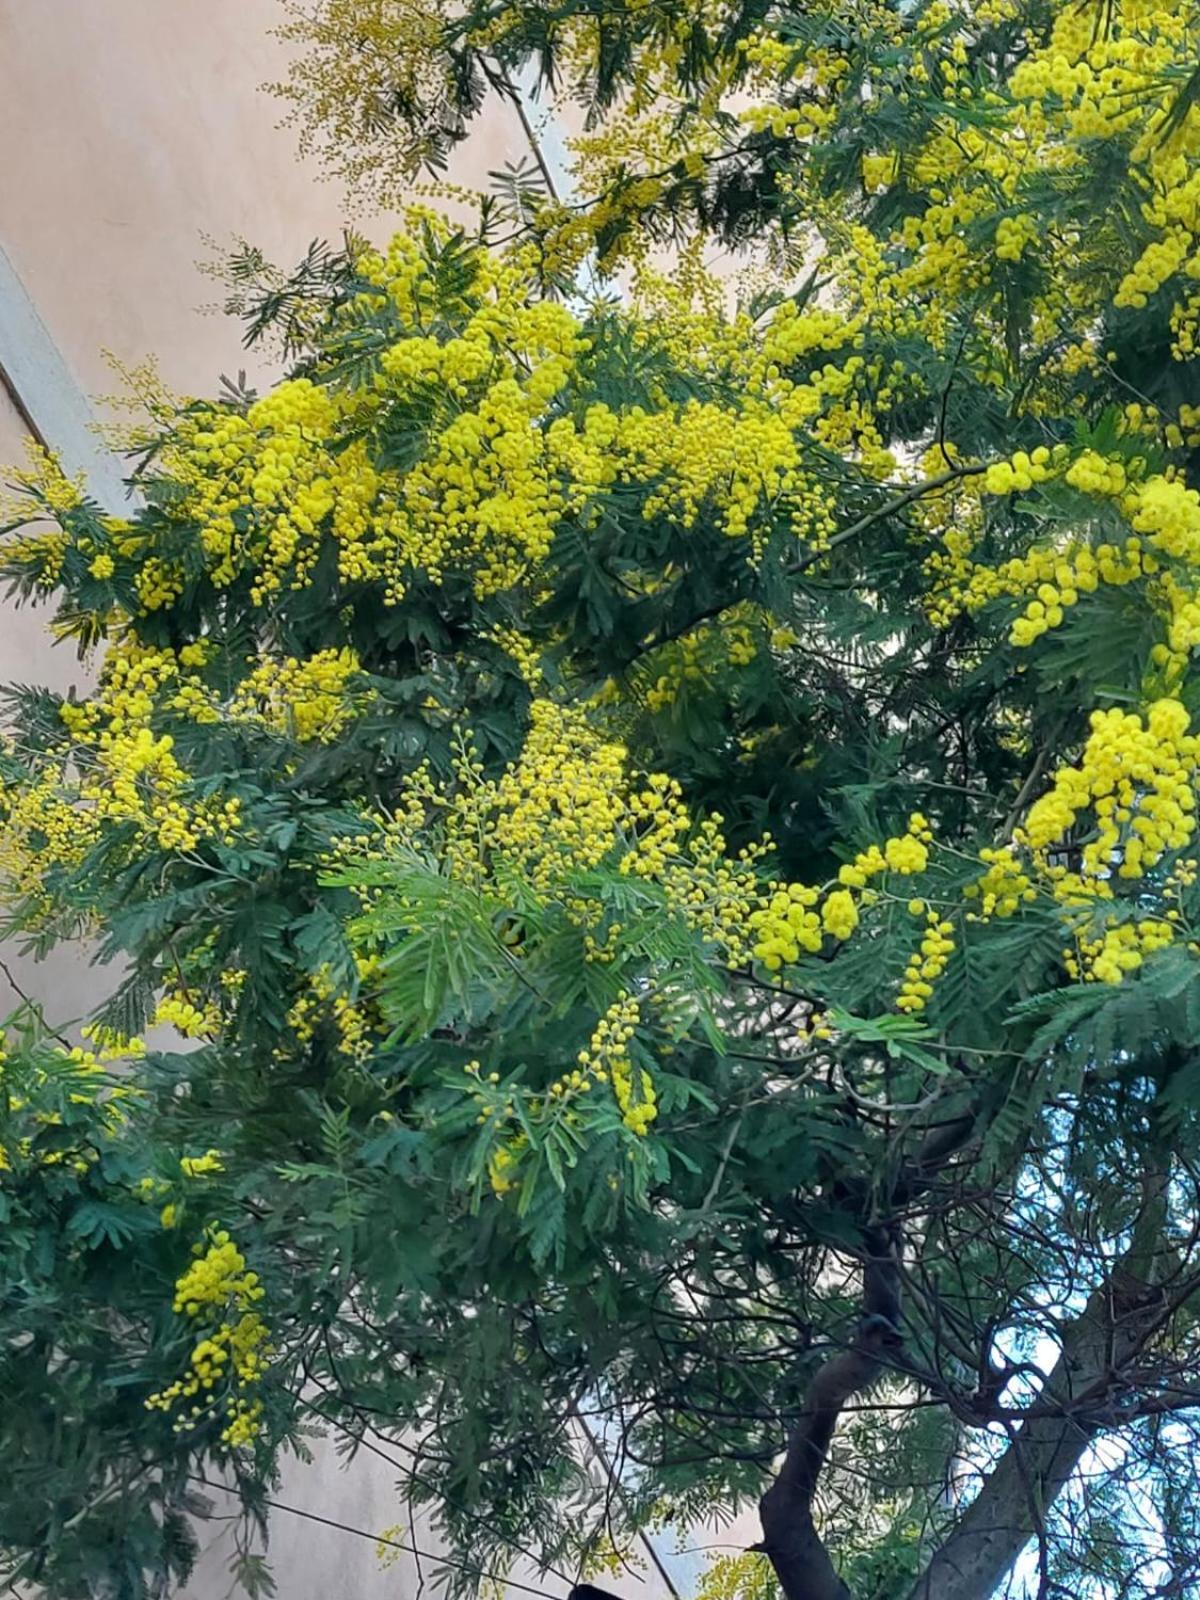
(56, 1087)
(1001, 148)
(698, 89)
(632, 799)
(982, 199)
(446, 446)
(509, 448)
(125, 777)
(330, 83)
(216, 1295)
(457, 429)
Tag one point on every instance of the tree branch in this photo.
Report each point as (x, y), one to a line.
(790, 1538)
(916, 491)
(1110, 1331)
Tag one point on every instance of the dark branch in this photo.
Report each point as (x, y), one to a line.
(790, 1538)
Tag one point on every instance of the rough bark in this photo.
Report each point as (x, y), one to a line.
(790, 1538)
(974, 1559)
(1009, 1509)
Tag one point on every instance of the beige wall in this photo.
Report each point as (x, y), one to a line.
(312, 1560)
(130, 129)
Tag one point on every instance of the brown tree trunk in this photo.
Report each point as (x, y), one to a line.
(790, 1538)
(1009, 1509)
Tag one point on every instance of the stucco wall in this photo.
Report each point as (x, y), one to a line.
(131, 129)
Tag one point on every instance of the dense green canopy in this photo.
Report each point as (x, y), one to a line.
(665, 831)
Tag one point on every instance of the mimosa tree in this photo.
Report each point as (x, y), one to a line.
(669, 831)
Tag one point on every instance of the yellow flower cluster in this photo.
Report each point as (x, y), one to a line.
(985, 167)
(1137, 777)
(179, 1011)
(504, 464)
(745, 1576)
(200, 1166)
(503, 1164)
(117, 765)
(1118, 949)
(1116, 814)
(839, 914)
(607, 1058)
(1003, 888)
(786, 925)
(1096, 474)
(926, 964)
(879, 172)
(1163, 547)
(345, 61)
(121, 771)
(1020, 472)
(981, 176)
(524, 655)
(45, 480)
(569, 805)
(82, 1073)
(137, 779)
(1053, 578)
(697, 657)
(354, 1022)
(232, 1355)
(907, 854)
(244, 1423)
(1012, 236)
(307, 700)
(217, 1277)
